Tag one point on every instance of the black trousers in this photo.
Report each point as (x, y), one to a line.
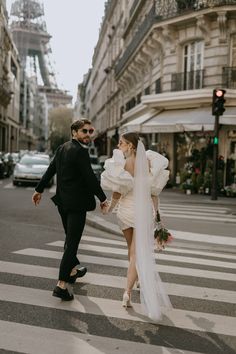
(73, 223)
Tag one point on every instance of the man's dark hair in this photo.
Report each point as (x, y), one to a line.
(78, 124)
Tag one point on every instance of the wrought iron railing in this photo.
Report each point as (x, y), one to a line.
(229, 77)
(190, 80)
(171, 8)
(140, 34)
(133, 7)
(160, 11)
(5, 93)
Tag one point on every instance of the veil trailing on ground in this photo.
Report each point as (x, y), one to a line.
(152, 293)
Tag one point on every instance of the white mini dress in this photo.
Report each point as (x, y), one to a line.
(116, 179)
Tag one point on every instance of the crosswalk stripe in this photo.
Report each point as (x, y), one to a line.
(202, 273)
(204, 238)
(119, 282)
(197, 213)
(190, 320)
(9, 186)
(199, 217)
(178, 235)
(158, 256)
(92, 239)
(53, 189)
(168, 249)
(15, 337)
(194, 207)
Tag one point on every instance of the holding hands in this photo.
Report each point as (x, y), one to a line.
(109, 206)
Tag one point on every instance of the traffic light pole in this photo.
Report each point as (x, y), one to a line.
(215, 158)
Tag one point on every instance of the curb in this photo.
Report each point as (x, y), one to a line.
(103, 225)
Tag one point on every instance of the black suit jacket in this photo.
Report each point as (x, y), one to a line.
(76, 183)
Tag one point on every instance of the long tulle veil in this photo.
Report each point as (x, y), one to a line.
(152, 293)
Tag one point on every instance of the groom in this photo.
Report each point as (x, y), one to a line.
(76, 187)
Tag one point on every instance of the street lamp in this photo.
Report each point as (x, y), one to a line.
(218, 109)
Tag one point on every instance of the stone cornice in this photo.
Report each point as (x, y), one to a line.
(185, 99)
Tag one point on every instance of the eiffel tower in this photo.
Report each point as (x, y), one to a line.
(33, 43)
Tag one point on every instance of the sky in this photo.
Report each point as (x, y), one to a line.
(74, 26)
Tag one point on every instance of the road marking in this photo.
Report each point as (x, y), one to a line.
(159, 256)
(204, 238)
(53, 189)
(200, 273)
(20, 337)
(201, 213)
(178, 235)
(194, 207)
(200, 217)
(189, 291)
(9, 186)
(190, 320)
(167, 250)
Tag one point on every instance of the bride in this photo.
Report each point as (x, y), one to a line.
(136, 177)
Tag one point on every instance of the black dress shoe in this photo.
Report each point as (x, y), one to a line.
(62, 294)
(79, 274)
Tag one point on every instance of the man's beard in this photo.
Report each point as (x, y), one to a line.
(84, 142)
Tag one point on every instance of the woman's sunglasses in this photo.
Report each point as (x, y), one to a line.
(86, 131)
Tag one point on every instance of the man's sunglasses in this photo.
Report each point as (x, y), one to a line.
(86, 131)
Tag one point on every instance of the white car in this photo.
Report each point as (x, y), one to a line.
(30, 169)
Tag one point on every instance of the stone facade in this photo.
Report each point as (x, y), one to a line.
(159, 60)
(9, 87)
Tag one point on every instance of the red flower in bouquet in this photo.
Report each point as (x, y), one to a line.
(161, 234)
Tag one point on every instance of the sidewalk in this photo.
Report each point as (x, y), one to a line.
(108, 222)
(171, 195)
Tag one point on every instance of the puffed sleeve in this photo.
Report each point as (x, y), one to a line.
(159, 174)
(114, 178)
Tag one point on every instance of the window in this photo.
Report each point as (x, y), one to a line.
(147, 91)
(193, 65)
(158, 86)
(138, 98)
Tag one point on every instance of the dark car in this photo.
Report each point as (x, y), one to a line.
(96, 166)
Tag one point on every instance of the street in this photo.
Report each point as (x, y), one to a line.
(198, 270)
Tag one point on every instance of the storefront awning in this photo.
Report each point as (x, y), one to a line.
(229, 116)
(174, 121)
(179, 121)
(136, 124)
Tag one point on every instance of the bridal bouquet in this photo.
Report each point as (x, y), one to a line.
(161, 234)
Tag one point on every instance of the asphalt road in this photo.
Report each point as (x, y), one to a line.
(199, 275)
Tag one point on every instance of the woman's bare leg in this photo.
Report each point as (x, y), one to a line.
(131, 272)
(128, 234)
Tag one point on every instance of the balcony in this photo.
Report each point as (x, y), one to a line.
(229, 77)
(171, 8)
(161, 11)
(191, 80)
(143, 29)
(5, 93)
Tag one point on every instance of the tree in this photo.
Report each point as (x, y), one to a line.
(60, 120)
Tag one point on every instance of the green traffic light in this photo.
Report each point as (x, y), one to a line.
(215, 140)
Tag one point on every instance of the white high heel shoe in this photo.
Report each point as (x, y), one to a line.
(126, 300)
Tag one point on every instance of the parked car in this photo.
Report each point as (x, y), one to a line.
(30, 169)
(96, 166)
(2, 166)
